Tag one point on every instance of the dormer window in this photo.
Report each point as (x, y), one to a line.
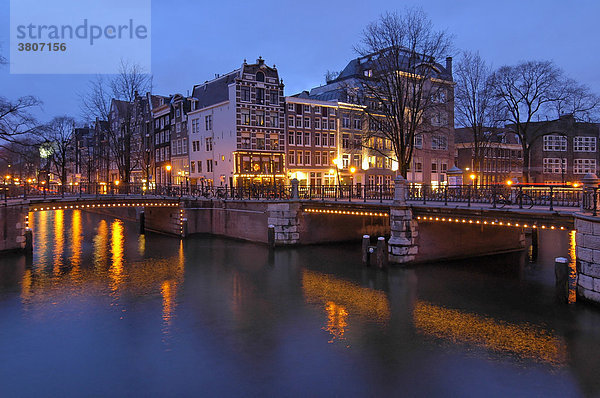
(368, 72)
(260, 77)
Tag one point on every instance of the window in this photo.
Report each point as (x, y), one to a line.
(260, 118)
(298, 138)
(346, 141)
(156, 139)
(299, 158)
(260, 77)
(290, 121)
(184, 145)
(246, 141)
(358, 124)
(260, 141)
(157, 155)
(317, 138)
(331, 124)
(209, 144)
(345, 161)
(260, 95)
(209, 165)
(584, 166)
(199, 166)
(167, 120)
(290, 107)
(291, 138)
(245, 93)
(178, 112)
(434, 165)
(318, 158)
(306, 108)
(418, 141)
(274, 97)
(246, 117)
(306, 122)
(306, 139)
(157, 124)
(356, 161)
(192, 166)
(274, 139)
(291, 158)
(555, 165)
(298, 121)
(325, 158)
(555, 143)
(439, 142)
(584, 144)
(274, 121)
(346, 122)
(331, 139)
(318, 123)
(208, 122)
(307, 158)
(178, 127)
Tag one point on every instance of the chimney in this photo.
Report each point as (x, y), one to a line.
(449, 65)
(260, 61)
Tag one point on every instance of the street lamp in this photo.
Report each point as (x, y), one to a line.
(473, 177)
(168, 167)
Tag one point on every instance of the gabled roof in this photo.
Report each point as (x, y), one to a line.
(214, 91)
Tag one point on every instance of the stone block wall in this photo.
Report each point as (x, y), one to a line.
(284, 217)
(12, 228)
(402, 246)
(587, 240)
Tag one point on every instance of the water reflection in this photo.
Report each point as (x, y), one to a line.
(117, 240)
(457, 326)
(59, 240)
(572, 296)
(336, 320)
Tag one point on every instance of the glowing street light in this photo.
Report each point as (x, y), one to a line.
(509, 182)
(117, 182)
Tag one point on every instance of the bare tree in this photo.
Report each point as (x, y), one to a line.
(401, 86)
(526, 91)
(474, 103)
(114, 100)
(60, 134)
(576, 99)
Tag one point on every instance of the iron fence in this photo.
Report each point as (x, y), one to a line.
(496, 195)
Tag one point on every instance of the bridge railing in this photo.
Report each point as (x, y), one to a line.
(495, 195)
(500, 195)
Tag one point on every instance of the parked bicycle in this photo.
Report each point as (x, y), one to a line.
(517, 198)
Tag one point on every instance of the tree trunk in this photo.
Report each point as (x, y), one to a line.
(526, 176)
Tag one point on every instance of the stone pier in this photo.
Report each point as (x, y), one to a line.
(587, 240)
(12, 227)
(402, 246)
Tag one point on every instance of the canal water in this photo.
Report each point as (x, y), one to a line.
(100, 310)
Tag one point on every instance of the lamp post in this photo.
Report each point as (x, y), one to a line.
(168, 167)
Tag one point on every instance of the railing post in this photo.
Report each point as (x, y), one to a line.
(364, 187)
(494, 197)
(381, 194)
(595, 212)
(469, 195)
(423, 193)
(350, 193)
(521, 197)
(295, 194)
(551, 198)
(446, 195)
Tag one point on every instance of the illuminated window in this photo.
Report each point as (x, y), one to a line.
(555, 165)
(584, 166)
(584, 144)
(555, 143)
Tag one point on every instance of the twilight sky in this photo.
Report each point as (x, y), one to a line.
(193, 40)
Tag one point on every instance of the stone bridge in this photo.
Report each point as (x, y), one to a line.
(414, 232)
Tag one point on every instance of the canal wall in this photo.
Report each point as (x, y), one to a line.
(445, 240)
(587, 241)
(12, 227)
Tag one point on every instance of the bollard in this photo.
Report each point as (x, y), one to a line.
(382, 252)
(271, 235)
(28, 240)
(561, 272)
(142, 223)
(534, 244)
(366, 240)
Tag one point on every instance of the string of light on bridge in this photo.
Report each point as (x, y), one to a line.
(489, 222)
(348, 212)
(67, 207)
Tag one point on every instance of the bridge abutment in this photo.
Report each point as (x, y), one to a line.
(587, 241)
(12, 228)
